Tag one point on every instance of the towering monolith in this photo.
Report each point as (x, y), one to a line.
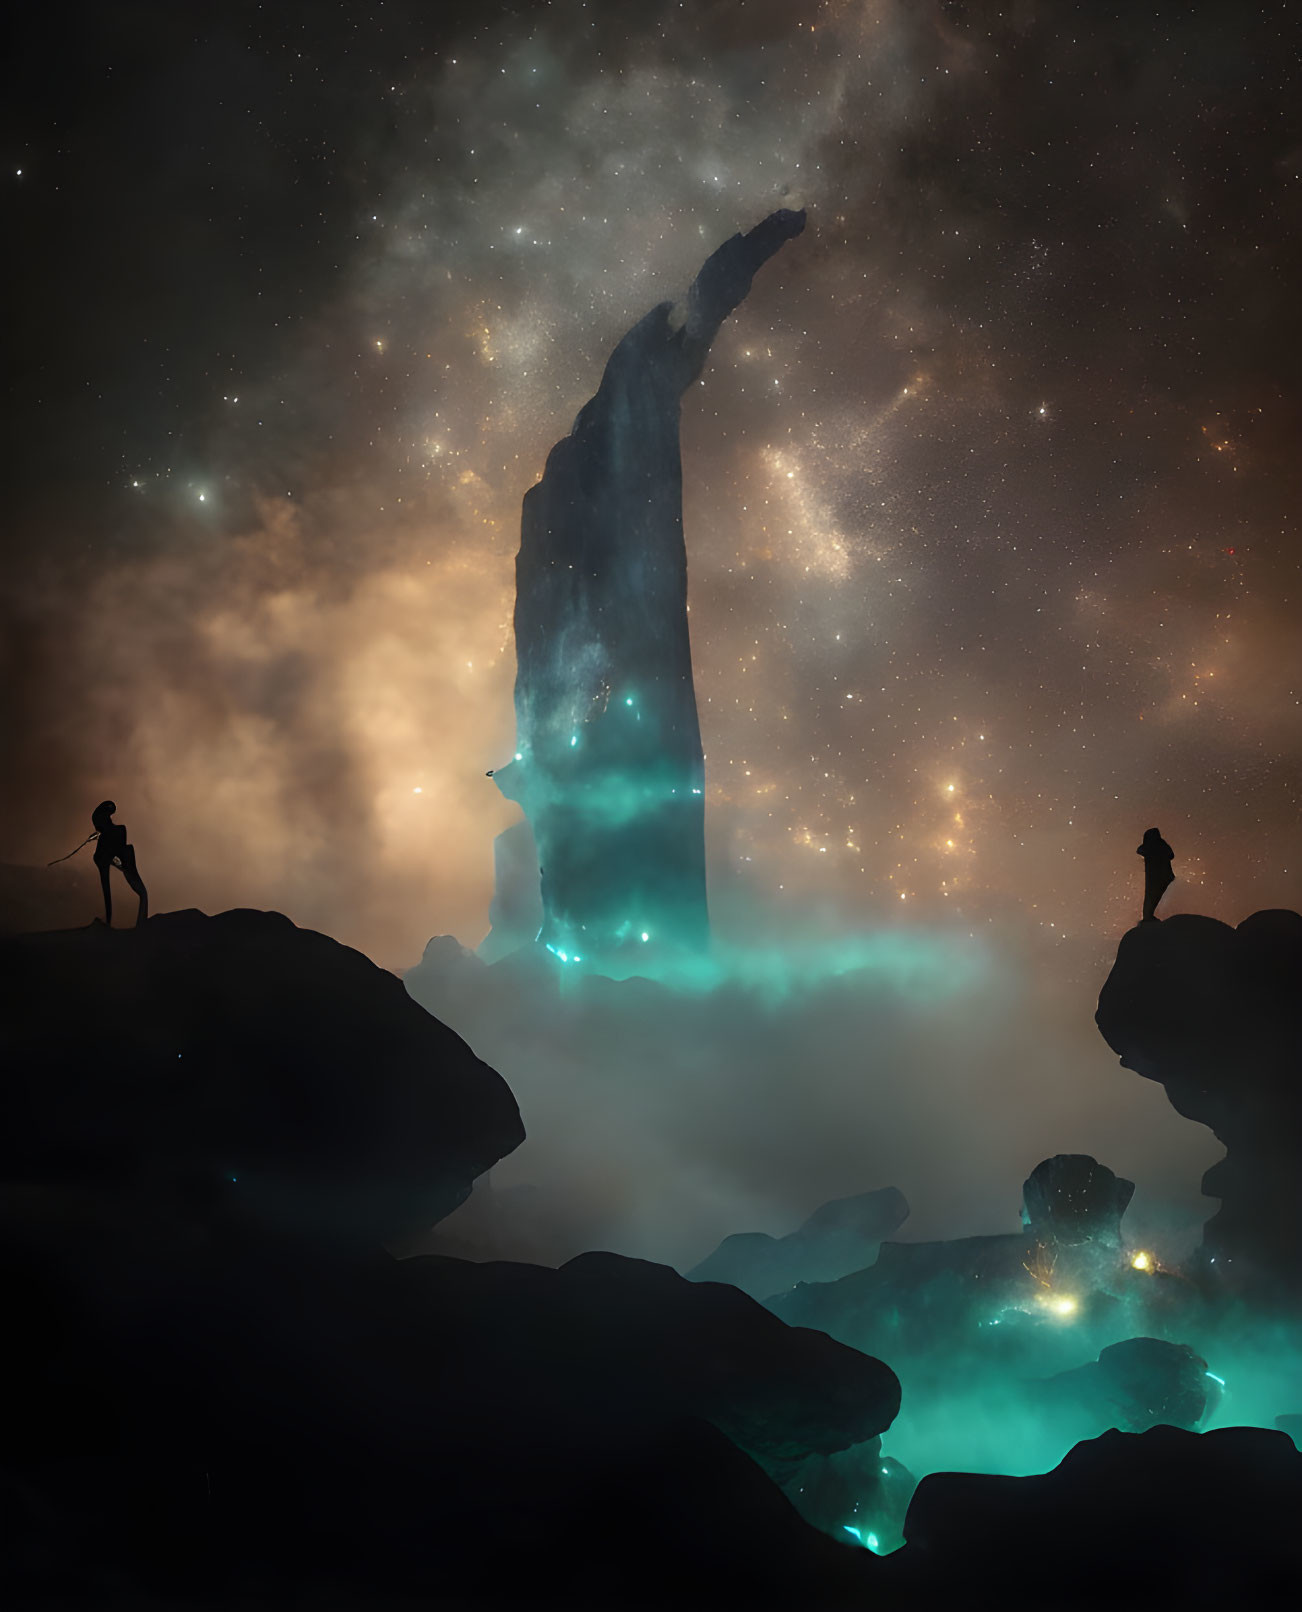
(608, 764)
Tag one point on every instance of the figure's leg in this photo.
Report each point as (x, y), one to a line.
(108, 896)
(132, 875)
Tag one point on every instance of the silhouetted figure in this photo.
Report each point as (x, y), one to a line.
(1157, 855)
(111, 849)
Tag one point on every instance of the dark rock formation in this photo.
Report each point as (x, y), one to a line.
(634, 1333)
(205, 1409)
(609, 767)
(1215, 1015)
(840, 1237)
(245, 1063)
(858, 1492)
(1162, 1518)
(1072, 1207)
(918, 1298)
(1292, 1425)
(223, 1395)
(1133, 1385)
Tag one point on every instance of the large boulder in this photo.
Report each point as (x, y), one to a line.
(1215, 1015)
(645, 1338)
(1135, 1384)
(196, 1409)
(1072, 1207)
(841, 1236)
(260, 1067)
(1072, 1199)
(917, 1299)
(1161, 1518)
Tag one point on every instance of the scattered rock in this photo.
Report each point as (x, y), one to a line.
(1166, 1518)
(840, 1237)
(1132, 1386)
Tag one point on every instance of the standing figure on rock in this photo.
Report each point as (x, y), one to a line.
(1157, 855)
(111, 849)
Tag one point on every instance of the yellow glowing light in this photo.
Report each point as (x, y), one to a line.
(1059, 1304)
(1142, 1261)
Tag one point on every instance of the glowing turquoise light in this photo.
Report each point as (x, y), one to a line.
(574, 739)
(645, 936)
(519, 756)
(871, 1541)
(1215, 1378)
(629, 700)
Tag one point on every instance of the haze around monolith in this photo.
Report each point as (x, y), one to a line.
(608, 764)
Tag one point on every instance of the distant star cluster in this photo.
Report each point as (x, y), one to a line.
(991, 485)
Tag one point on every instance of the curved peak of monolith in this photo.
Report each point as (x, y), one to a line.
(608, 764)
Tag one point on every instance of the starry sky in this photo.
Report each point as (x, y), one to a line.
(991, 486)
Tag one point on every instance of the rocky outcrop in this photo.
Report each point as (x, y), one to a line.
(201, 1408)
(260, 1068)
(1072, 1199)
(917, 1298)
(1135, 1384)
(1072, 1207)
(1162, 1518)
(841, 1236)
(1215, 1015)
(635, 1333)
(225, 1388)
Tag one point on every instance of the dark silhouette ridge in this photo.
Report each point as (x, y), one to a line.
(113, 851)
(608, 765)
(1158, 877)
(251, 1049)
(228, 1390)
(916, 1297)
(840, 1237)
(1214, 1014)
(1133, 1385)
(235, 1396)
(1160, 1518)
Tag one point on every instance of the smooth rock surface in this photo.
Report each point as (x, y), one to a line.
(240, 1058)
